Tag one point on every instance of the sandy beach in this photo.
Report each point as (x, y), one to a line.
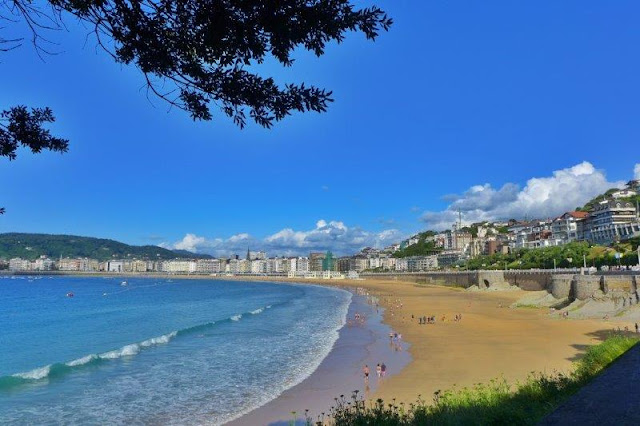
(492, 340)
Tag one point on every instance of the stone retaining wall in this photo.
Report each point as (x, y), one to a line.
(585, 286)
(560, 286)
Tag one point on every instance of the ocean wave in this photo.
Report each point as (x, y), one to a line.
(58, 369)
(159, 340)
(35, 374)
(128, 350)
(82, 361)
(302, 369)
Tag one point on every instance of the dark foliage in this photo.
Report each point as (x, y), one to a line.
(20, 126)
(195, 53)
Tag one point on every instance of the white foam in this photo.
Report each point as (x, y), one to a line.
(128, 350)
(236, 317)
(35, 374)
(257, 311)
(81, 361)
(302, 371)
(166, 338)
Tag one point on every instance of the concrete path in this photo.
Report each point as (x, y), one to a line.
(612, 398)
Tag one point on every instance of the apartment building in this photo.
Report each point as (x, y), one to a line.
(612, 220)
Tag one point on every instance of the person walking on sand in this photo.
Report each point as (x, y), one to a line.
(637, 328)
(378, 370)
(383, 369)
(365, 370)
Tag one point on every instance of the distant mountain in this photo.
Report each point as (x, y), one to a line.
(191, 255)
(32, 246)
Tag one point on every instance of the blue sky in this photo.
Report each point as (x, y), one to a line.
(458, 98)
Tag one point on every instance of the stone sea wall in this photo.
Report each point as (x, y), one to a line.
(572, 286)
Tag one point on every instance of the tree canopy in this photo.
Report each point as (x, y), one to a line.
(424, 247)
(194, 54)
(20, 126)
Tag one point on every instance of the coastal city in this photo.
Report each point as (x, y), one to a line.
(613, 218)
(319, 212)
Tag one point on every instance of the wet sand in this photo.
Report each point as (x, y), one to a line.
(492, 340)
(340, 373)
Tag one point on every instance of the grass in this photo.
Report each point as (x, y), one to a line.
(529, 306)
(493, 403)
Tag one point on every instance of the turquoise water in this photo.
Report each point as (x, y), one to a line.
(157, 350)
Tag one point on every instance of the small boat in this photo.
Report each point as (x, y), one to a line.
(69, 294)
(124, 284)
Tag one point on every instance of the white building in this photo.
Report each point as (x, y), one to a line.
(610, 221)
(567, 227)
(18, 264)
(302, 264)
(179, 266)
(402, 265)
(208, 266)
(78, 265)
(258, 266)
(388, 263)
(43, 263)
(374, 262)
(624, 193)
(422, 263)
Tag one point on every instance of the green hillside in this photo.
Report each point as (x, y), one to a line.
(592, 203)
(31, 246)
(422, 248)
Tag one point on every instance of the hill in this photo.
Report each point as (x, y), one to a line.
(424, 247)
(592, 203)
(32, 246)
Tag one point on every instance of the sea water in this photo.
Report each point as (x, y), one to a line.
(158, 350)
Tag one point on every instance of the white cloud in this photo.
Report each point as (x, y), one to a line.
(332, 235)
(541, 197)
(636, 171)
(189, 242)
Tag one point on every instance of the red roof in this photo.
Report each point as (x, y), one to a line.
(578, 215)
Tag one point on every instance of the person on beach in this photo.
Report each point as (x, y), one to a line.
(365, 370)
(378, 370)
(383, 369)
(637, 328)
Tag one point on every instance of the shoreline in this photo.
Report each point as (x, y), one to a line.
(339, 373)
(492, 340)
